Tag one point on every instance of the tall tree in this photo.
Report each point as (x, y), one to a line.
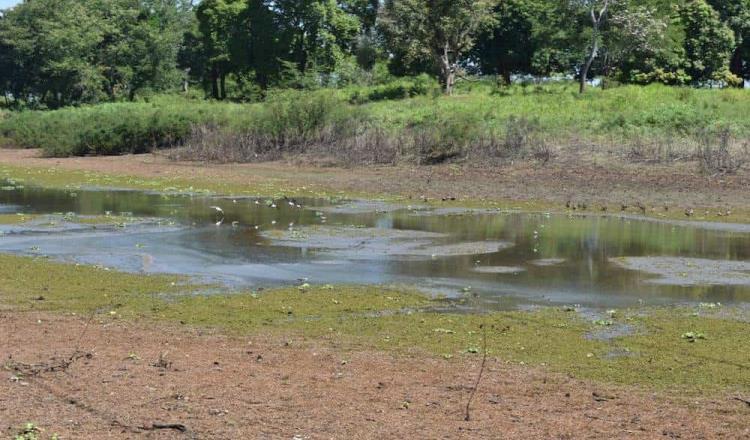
(365, 10)
(443, 30)
(736, 14)
(220, 25)
(259, 43)
(62, 52)
(316, 33)
(597, 11)
(509, 45)
(635, 41)
(49, 46)
(709, 43)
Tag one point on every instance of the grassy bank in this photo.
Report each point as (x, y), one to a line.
(409, 122)
(656, 354)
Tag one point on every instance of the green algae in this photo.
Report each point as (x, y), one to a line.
(656, 356)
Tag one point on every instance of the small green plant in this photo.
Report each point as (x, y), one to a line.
(31, 432)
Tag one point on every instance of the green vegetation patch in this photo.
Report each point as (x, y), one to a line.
(482, 123)
(16, 219)
(693, 350)
(75, 179)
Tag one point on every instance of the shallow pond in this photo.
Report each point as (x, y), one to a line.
(503, 259)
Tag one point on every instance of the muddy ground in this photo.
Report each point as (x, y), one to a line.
(134, 377)
(579, 178)
(138, 376)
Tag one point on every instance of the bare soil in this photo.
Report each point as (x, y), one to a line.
(579, 178)
(137, 377)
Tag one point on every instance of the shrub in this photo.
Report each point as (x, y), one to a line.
(675, 78)
(716, 155)
(109, 128)
(399, 89)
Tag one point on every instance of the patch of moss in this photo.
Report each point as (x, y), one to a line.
(664, 354)
(657, 355)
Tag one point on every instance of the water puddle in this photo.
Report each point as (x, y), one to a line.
(500, 259)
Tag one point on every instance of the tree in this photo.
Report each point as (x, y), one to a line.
(709, 43)
(508, 47)
(365, 10)
(316, 33)
(441, 30)
(48, 44)
(140, 43)
(736, 15)
(220, 25)
(635, 41)
(63, 52)
(597, 10)
(260, 43)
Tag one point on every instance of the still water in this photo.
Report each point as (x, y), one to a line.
(506, 259)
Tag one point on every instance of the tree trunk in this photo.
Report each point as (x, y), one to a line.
(587, 66)
(506, 75)
(451, 82)
(215, 81)
(596, 22)
(223, 86)
(447, 72)
(736, 65)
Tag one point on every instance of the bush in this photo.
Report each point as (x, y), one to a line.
(401, 89)
(109, 128)
(675, 78)
(370, 146)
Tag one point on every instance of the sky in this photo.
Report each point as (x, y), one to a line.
(8, 3)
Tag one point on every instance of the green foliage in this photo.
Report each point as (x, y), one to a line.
(678, 78)
(736, 14)
(509, 46)
(59, 53)
(709, 43)
(440, 32)
(292, 119)
(74, 52)
(483, 121)
(399, 89)
(112, 128)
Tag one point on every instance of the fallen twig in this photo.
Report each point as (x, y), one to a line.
(36, 369)
(481, 372)
(156, 426)
(745, 401)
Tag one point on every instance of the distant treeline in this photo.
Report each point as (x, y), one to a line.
(55, 53)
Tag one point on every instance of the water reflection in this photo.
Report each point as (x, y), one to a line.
(183, 238)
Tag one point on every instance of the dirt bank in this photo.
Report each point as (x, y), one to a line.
(139, 375)
(580, 179)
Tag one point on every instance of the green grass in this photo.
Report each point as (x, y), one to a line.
(16, 219)
(114, 128)
(291, 120)
(656, 356)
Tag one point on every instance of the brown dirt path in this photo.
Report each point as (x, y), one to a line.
(223, 387)
(578, 178)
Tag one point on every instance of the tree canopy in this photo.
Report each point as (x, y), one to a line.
(67, 52)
